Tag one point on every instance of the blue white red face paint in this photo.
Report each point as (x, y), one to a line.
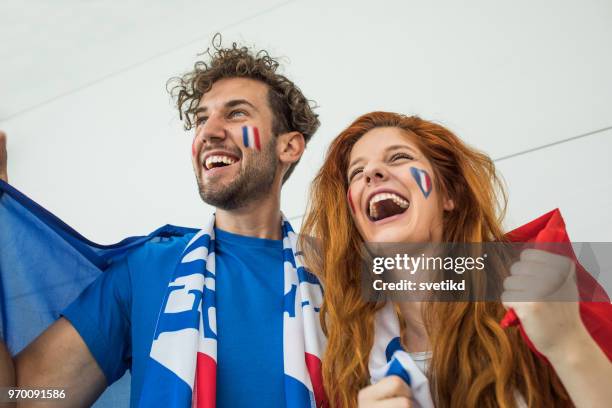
(250, 137)
(423, 180)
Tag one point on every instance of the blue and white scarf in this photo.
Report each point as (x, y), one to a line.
(389, 358)
(182, 363)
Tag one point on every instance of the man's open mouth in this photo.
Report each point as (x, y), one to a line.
(385, 205)
(214, 161)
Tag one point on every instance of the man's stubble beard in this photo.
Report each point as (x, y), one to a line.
(252, 182)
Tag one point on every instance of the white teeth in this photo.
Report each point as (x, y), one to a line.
(218, 159)
(373, 212)
(389, 196)
(386, 196)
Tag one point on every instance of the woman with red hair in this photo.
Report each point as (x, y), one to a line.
(393, 178)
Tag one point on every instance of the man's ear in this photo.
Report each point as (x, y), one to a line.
(290, 147)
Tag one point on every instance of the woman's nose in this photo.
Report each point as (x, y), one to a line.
(375, 174)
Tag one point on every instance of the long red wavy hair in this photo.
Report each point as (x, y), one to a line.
(474, 361)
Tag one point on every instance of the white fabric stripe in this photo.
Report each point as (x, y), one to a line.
(172, 351)
(198, 254)
(179, 299)
(209, 283)
(195, 238)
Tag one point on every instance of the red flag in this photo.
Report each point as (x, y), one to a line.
(596, 314)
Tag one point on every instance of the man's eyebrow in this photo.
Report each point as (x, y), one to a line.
(229, 104)
(236, 102)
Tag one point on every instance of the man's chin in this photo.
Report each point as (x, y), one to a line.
(230, 191)
(213, 193)
(210, 180)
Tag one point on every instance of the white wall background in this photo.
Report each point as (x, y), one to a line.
(94, 138)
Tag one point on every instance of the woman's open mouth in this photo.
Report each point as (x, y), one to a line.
(386, 204)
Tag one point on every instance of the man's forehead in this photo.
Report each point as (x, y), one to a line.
(233, 89)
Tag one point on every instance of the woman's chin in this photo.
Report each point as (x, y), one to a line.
(391, 234)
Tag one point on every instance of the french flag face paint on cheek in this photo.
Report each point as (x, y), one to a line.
(423, 180)
(250, 137)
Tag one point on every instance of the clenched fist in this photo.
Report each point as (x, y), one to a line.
(542, 291)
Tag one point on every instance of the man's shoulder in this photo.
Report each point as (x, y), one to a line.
(163, 246)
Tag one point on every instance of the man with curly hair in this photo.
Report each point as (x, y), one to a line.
(206, 317)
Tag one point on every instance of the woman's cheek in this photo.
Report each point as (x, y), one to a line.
(349, 197)
(352, 197)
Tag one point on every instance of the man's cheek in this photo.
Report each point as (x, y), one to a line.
(195, 144)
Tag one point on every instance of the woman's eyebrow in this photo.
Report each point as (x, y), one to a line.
(354, 162)
(399, 147)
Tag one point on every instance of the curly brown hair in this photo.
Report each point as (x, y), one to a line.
(290, 109)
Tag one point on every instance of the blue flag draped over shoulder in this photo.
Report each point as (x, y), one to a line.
(44, 266)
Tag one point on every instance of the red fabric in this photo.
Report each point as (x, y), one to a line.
(205, 384)
(596, 313)
(313, 364)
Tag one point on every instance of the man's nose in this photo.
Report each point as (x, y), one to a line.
(375, 173)
(214, 129)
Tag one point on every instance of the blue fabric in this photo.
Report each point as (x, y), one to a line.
(45, 264)
(250, 278)
(392, 347)
(396, 368)
(116, 315)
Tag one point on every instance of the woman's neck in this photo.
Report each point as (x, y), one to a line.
(415, 337)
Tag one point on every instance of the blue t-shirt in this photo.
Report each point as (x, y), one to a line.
(116, 315)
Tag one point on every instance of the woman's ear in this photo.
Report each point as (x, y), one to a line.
(290, 147)
(448, 204)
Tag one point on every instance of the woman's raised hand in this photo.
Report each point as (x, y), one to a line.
(543, 293)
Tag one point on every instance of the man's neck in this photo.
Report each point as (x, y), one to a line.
(258, 219)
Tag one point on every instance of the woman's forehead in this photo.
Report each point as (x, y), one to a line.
(382, 139)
